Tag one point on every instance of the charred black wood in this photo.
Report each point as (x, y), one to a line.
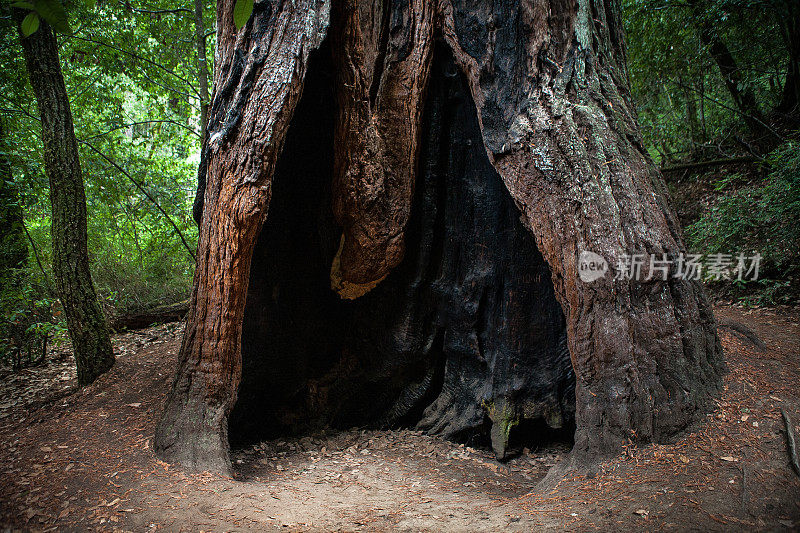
(464, 336)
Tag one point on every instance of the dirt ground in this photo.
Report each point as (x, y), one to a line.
(82, 460)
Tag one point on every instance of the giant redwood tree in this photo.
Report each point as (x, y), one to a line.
(394, 198)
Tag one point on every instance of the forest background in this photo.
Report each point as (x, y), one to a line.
(715, 82)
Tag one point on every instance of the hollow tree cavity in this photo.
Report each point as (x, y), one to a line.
(400, 245)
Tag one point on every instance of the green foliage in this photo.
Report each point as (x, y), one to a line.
(29, 318)
(13, 244)
(131, 72)
(50, 10)
(760, 217)
(30, 24)
(242, 10)
(685, 110)
(688, 113)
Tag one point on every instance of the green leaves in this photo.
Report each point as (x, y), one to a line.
(141, 69)
(50, 10)
(242, 10)
(53, 12)
(30, 24)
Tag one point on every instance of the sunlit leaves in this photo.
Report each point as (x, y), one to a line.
(131, 75)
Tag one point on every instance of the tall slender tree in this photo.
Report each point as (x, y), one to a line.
(789, 21)
(87, 326)
(13, 244)
(741, 93)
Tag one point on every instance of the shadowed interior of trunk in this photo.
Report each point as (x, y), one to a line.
(464, 338)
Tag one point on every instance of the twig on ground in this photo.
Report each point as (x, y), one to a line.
(744, 488)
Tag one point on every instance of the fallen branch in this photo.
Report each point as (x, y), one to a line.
(791, 440)
(148, 317)
(711, 163)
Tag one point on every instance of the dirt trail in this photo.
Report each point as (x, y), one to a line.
(83, 460)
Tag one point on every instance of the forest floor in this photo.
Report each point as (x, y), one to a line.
(82, 460)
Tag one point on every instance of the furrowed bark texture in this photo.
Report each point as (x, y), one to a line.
(85, 321)
(258, 80)
(552, 95)
(464, 335)
(407, 164)
(383, 51)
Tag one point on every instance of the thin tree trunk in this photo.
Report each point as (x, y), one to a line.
(741, 93)
(691, 118)
(702, 101)
(13, 244)
(790, 23)
(202, 67)
(85, 321)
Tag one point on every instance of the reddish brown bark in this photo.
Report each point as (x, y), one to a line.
(568, 147)
(383, 54)
(253, 101)
(549, 84)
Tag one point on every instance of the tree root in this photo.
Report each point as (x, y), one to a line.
(791, 440)
(743, 330)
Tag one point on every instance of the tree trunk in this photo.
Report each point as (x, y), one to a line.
(742, 95)
(445, 309)
(13, 244)
(202, 67)
(695, 137)
(789, 21)
(85, 321)
(560, 128)
(254, 98)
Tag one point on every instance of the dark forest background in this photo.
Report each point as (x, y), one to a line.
(715, 82)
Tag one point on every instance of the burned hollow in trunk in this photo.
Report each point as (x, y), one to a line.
(463, 337)
(451, 319)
